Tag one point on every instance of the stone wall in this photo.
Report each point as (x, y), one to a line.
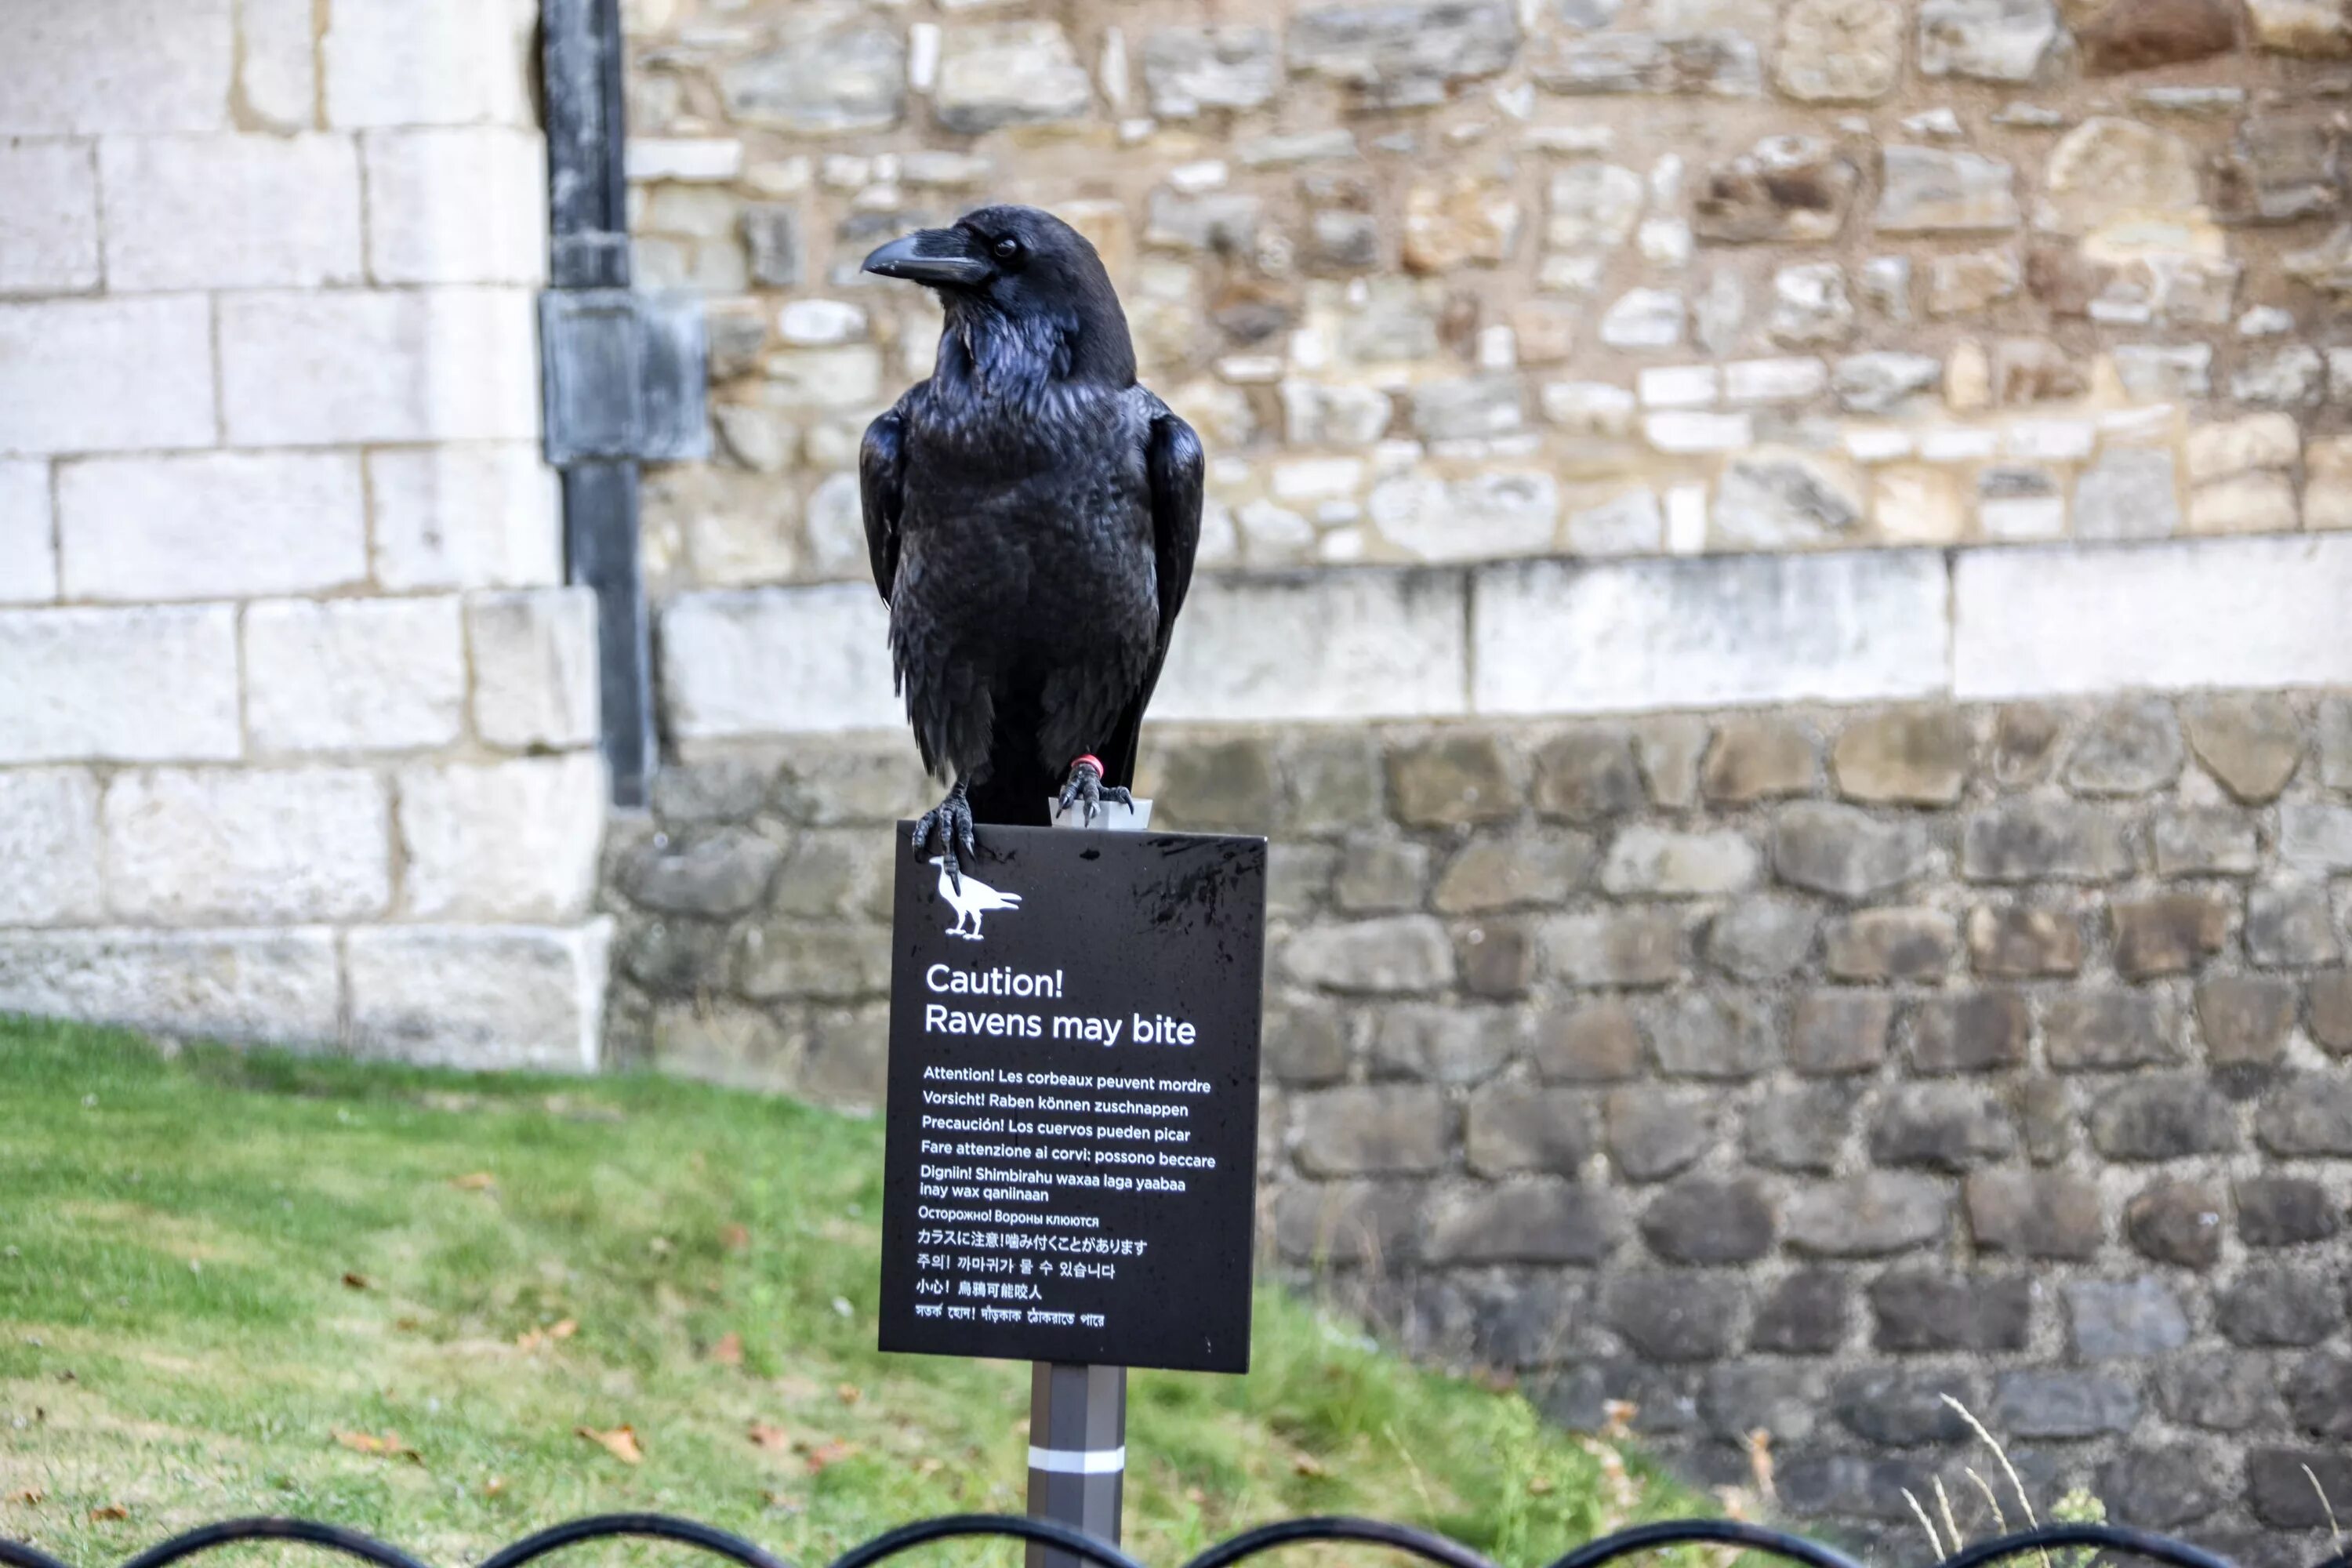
(1460, 281)
(1780, 1068)
(295, 718)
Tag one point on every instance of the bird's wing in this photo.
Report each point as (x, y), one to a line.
(1174, 461)
(882, 490)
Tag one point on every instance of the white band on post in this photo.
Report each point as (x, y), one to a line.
(1078, 1461)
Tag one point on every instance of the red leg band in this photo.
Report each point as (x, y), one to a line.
(1089, 760)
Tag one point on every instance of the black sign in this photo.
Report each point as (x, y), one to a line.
(1072, 1128)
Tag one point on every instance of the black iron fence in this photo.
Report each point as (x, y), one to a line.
(2108, 1539)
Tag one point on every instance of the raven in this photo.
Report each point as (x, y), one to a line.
(1031, 514)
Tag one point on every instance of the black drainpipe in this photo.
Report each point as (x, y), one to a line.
(623, 372)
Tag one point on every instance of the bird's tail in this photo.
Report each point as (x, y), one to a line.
(1011, 899)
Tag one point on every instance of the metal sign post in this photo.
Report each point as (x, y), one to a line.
(1077, 1453)
(1078, 1414)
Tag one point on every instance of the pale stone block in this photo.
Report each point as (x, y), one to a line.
(1877, 443)
(278, 62)
(1588, 408)
(767, 661)
(817, 323)
(106, 375)
(231, 212)
(1918, 505)
(2162, 373)
(502, 841)
(28, 546)
(1552, 638)
(2262, 501)
(122, 686)
(2256, 613)
(2050, 440)
(457, 205)
(1687, 508)
(1690, 431)
(425, 364)
(2128, 494)
(1790, 380)
(428, 62)
(130, 66)
(2237, 445)
(684, 159)
(847, 375)
(211, 525)
(475, 516)
(272, 985)
(1957, 444)
(498, 997)
(2016, 519)
(1495, 512)
(2326, 483)
(49, 848)
(247, 846)
(534, 658)
(353, 675)
(1339, 645)
(48, 224)
(1630, 524)
(1679, 387)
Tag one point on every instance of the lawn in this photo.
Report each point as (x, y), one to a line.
(450, 1309)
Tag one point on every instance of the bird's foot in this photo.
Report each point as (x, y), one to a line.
(1085, 787)
(951, 823)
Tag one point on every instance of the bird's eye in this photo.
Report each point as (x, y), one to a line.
(1007, 248)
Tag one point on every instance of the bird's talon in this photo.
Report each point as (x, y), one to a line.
(950, 820)
(1085, 788)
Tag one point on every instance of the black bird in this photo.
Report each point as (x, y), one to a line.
(1031, 514)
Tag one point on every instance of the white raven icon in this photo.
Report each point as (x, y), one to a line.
(972, 900)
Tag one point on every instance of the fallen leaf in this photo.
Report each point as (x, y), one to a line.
(110, 1511)
(531, 1339)
(407, 1325)
(494, 1485)
(766, 1436)
(1539, 1486)
(358, 1281)
(28, 1496)
(930, 1465)
(734, 1237)
(367, 1443)
(831, 1453)
(849, 1394)
(474, 1181)
(621, 1442)
(728, 1351)
(1306, 1464)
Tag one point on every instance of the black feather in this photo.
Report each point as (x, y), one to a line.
(1031, 516)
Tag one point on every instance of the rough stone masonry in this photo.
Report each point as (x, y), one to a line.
(1780, 1070)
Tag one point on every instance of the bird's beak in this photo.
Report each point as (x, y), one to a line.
(936, 257)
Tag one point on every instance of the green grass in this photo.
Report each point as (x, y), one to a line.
(213, 1264)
